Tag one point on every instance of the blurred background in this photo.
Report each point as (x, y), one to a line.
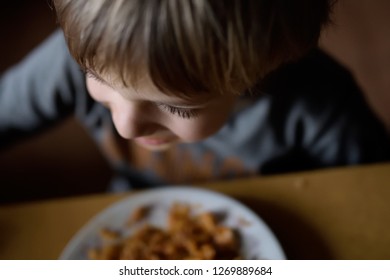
(64, 161)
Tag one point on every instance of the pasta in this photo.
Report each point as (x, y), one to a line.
(186, 237)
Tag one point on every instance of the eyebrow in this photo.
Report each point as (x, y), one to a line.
(189, 103)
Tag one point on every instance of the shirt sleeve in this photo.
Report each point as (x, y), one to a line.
(39, 91)
(321, 118)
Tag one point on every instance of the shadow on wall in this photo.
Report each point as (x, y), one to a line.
(359, 39)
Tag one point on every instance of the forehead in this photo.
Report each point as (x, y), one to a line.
(150, 91)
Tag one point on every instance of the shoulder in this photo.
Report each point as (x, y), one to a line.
(316, 79)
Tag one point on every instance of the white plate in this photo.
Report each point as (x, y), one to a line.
(258, 241)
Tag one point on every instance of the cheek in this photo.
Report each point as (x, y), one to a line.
(200, 127)
(206, 123)
(194, 131)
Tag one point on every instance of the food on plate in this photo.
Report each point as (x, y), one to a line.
(187, 236)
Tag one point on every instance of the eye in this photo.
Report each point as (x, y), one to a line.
(180, 112)
(91, 75)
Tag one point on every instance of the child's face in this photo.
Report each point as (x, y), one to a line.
(155, 120)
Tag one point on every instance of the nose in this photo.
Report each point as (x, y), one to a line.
(134, 119)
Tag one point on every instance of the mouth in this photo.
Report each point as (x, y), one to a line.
(154, 143)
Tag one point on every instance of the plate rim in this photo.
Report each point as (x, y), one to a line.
(80, 234)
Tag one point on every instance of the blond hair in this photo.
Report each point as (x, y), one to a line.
(190, 46)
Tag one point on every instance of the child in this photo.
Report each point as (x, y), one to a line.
(183, 91)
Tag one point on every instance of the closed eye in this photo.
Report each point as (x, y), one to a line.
(92, 75)
(184, 113)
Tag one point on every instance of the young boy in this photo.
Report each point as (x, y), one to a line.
(182, 91)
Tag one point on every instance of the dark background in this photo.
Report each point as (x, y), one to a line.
(62, 161)
(65, 162)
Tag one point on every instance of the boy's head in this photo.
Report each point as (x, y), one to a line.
(188, 48)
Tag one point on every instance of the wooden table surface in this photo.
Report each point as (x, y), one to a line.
(341, 213)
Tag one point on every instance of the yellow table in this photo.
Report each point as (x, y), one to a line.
(341, 213)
